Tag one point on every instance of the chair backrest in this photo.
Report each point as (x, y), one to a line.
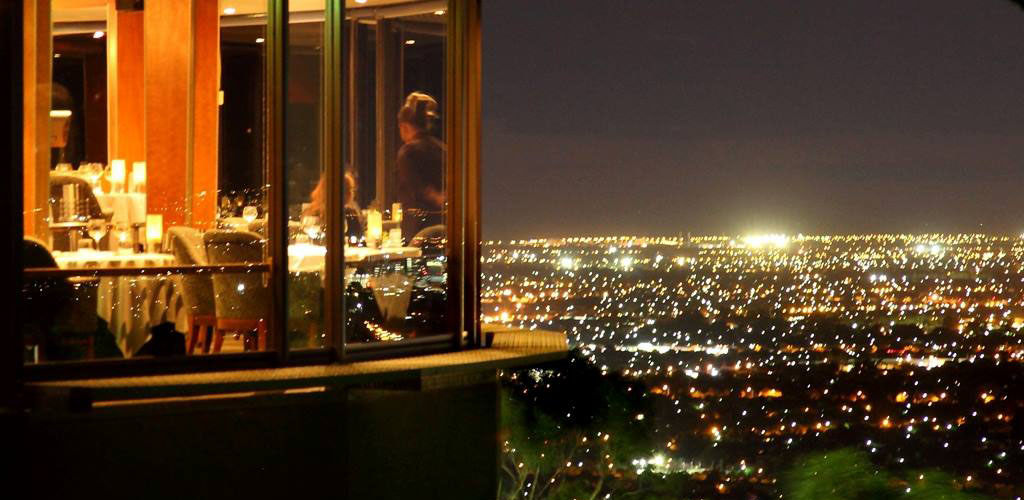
(89, 206)
(429, 237)
(187, 245)
(237, 295)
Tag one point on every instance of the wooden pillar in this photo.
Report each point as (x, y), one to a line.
(125, 99)
(181, 42)
(206, 113)
(37, 70)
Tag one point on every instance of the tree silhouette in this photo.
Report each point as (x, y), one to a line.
(568, 428)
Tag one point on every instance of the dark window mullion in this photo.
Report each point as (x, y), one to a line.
(277, 62)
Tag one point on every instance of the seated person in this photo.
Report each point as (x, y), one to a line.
(354, 231)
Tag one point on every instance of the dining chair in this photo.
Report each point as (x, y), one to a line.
(88, 205)
(241, 300)
(429, 237)
(186, 244)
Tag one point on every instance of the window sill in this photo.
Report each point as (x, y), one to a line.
(508, 349)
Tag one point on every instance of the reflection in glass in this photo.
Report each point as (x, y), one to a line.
(396, 279)
(304, 191)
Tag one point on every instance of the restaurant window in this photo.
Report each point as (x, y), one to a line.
(395, 189)
(145, 196)
(177, 146)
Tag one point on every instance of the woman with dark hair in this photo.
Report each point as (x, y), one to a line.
(420, 166)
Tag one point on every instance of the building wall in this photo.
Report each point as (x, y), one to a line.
(358, 443)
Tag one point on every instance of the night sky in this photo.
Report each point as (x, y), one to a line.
(608, 117)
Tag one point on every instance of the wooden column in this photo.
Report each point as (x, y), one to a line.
(37, 70)
(206, 113)
(181, 42)
(125, 99)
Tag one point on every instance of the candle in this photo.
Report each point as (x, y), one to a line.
(396, 212)
(154, 230)
(138, 184)
(117, 175)
(374, 226)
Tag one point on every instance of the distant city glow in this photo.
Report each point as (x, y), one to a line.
(766, 240)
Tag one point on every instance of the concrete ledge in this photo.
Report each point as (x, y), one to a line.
(508, 351)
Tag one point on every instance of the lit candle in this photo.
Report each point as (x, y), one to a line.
(396, 212)
(374, 226)
(138, 177)
(117, 175)
(154, 230)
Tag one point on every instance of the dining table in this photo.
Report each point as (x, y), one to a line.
(392, 290)
(130, 305)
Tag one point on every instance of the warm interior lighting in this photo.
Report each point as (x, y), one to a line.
(138, 177)
(438, 12)
(98, 34)
(117, 174)
(360, 1)
(260, 40)
(60, 113)
(374, 226)
(229, 11)
(154, 229)
(410, 42)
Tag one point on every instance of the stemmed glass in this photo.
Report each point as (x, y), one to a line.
(311, 226)
(97, 229)
(122, 234)
(250, 213)
(92, 173)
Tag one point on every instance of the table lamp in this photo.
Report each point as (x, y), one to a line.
(117, 176)
(154, 232)
(138, 184)
(374, 227)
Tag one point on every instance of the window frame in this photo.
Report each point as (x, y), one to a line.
(462, 123)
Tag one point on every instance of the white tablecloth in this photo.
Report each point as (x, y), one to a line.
(392, 291)
(130, 305)
(305, 257)
(127, 207)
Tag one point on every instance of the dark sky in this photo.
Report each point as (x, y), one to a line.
(610, 117)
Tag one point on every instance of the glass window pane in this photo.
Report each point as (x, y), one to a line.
(149, 171)
(395, 199)
(304, 171)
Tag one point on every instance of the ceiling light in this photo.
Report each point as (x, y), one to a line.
(438, 12)
(229, 10)
(259, 40)
(410, 42)
(98, 34)
(360, 1)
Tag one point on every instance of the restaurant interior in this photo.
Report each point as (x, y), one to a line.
(176, 152)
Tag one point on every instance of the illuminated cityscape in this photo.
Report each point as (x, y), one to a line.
(754, 350)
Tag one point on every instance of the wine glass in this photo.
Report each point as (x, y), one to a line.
(92, 173)
(122, 234)
(250, 213)
(63, 168)
(311, 226)
(97, 229)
